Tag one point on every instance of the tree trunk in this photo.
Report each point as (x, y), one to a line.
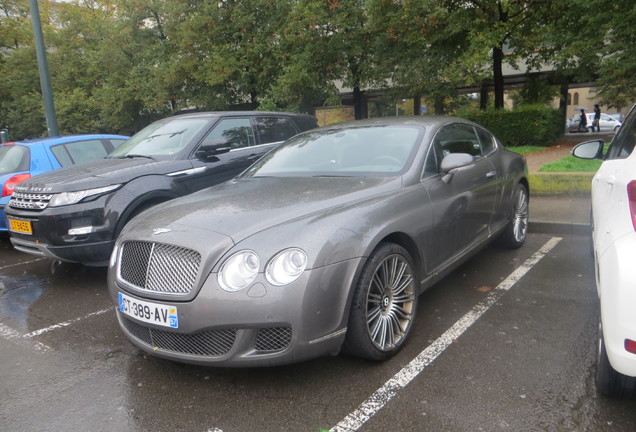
(439, 105)
(497, 62)
(417, 105)
(360, 108)
(483, 95)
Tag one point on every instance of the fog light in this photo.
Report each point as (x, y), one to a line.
(630, 346)
(80, 231)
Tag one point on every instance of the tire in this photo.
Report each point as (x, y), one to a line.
(384, 304)
(516, 231)
(608, 381)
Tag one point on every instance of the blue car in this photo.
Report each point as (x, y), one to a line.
(24, 159)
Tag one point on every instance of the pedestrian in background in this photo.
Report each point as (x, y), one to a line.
(583, 122)
(596, 124)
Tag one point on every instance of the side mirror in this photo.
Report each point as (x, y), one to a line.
(213, 147)
(453, 162)
(589, 150)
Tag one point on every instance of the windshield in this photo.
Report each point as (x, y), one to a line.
(13, 159)
(378, 151)
(161, 139)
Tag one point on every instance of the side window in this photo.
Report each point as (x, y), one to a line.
(235, 131)
(62, 156)
(458, 138)
(274, 129)
(625, 139)
(454, 138)
(79, 152)
(486, 140)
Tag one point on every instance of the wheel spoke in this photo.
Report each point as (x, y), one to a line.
(389, 302)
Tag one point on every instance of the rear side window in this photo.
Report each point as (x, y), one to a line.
(274, 129)
(14, 159)
(486, 140)
(235, 131)
(306, 123)
(79, 152)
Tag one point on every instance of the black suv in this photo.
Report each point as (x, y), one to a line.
(75, 214)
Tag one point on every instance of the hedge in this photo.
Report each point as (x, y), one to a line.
(528, 125)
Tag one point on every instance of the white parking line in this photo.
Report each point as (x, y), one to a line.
(384, 394)
(22, 263)
(10, 334)
(65, 323)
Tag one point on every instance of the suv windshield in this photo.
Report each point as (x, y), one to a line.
(13, 159)
(377, 151)
(161, 139)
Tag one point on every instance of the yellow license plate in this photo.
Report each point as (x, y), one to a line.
(20, 226)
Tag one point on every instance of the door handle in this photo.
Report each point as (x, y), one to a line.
(491, 174)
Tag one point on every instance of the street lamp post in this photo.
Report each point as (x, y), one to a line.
(43, 68)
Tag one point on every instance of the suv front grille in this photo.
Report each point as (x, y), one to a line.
(30, 201)
(159, 267)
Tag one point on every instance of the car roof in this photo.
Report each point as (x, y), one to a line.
(208, 114)
(66, 139)
(430, 121)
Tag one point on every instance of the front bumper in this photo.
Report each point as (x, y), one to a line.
(51, 236)
(259, 326)
(617, 290)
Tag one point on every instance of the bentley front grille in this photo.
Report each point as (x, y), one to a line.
(159, 267)
(211, 343)
(273, 339)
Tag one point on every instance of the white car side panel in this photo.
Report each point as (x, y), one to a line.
(615, 249)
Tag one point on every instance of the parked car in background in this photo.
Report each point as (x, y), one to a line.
(614, 246)
(618, 116)
(75, 214)
(607, 123)
(22, 160)
(322, 245)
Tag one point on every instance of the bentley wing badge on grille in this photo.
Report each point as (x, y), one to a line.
(157, 231)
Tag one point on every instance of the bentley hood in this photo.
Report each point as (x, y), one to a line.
(241, 208)
(103, 172)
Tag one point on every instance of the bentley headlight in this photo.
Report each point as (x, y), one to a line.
(67, 198)
(286, 266)
(239, 270)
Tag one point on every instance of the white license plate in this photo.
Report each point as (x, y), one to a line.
(153, 313)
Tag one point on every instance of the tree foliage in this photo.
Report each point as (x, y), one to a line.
(118, 64)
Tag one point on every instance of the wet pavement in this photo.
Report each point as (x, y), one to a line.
(525, 363)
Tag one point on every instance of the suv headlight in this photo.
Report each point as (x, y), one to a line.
(286, 266)
(239, 270)
(67, 198)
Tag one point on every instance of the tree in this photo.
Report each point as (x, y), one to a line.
(330, 42)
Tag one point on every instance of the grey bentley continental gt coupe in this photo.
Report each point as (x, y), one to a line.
(322, 246)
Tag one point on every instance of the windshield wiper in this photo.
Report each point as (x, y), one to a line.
(132, 156)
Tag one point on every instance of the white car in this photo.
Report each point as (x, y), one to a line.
(614, 245)
(606, 124)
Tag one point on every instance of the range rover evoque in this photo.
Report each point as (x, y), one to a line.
(75, 214)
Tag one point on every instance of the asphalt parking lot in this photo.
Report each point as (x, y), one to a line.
(505, 343)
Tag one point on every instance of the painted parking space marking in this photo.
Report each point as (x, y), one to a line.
(21, 263)
(66, 323)
(11, 334)
(365, 411)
